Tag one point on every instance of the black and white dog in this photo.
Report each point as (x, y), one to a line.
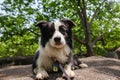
(55, 45)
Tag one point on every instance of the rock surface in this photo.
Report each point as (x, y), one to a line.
(100, 68)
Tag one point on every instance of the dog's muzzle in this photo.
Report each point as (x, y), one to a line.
(57, 41)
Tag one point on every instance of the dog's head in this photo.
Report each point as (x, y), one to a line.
(57, 33)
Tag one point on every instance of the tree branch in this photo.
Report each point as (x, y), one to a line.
(96, 12)
(97, 39)
(78, 40)
(80, 12)
(84, 12)
(91, 21)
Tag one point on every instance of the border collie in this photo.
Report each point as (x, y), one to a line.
(55, 45)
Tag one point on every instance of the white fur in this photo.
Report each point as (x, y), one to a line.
(49, 54)
(57, 34)
(52, 42)
(69, 72)
(42, 74)
(83, 65)
(46, 58)
(57, 24)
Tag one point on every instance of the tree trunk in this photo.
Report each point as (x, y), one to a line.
(89, 48)
(88, 42)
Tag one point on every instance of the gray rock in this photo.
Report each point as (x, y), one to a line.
(118, 52)
(112, 55)
(100, 68)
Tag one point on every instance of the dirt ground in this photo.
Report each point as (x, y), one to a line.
(100, 68)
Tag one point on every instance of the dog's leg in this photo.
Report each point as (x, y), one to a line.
(68, 71)
(38, 70)
(65, 74)
(68, 67)
(79, 64)
(41, 74)
(83, 65)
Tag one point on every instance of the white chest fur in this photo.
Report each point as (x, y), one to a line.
(49, 54)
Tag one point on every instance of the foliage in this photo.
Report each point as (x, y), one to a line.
(18, 35)
(16, 40)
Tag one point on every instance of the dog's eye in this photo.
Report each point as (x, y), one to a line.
(50, 32)
(62, 31)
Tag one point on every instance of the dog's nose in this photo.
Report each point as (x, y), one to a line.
(57, 39)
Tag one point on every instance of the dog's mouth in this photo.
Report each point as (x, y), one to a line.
(58, 43)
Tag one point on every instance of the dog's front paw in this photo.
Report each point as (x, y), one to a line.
(70, 73)
(83, 65)
(42, 75)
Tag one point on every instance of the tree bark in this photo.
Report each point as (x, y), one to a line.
(87, 26)
(88, 42)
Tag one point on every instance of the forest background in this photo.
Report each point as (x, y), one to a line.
(96, 32)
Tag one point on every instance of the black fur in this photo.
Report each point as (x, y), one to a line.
(47, 31)
(34, 65)
(69, 25)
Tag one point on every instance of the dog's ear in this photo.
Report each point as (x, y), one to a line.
(68, 22)
(42, 24)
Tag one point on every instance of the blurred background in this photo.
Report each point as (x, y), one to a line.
(97, 30)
